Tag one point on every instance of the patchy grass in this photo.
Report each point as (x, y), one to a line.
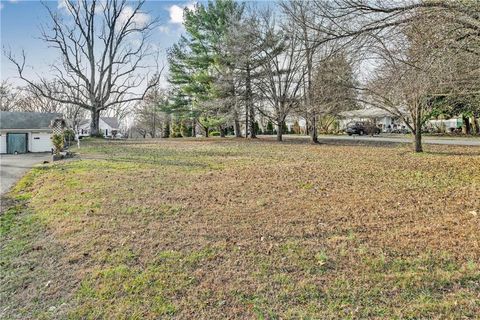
(245, 229)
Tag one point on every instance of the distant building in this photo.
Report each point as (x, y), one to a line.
(383, 119)
(22, 132)
(108, 126)
(388, 122)
(445, 125)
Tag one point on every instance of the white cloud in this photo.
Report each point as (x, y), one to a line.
(176, 12)
(164, 29)
(62, 4)
(139, 20)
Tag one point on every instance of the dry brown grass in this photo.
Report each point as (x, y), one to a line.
(239, 229)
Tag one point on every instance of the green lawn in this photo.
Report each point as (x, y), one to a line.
(214, 229)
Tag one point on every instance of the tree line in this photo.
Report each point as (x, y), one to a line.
(238, 63)
(241, 67)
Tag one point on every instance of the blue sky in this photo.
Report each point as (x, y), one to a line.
(20, 21)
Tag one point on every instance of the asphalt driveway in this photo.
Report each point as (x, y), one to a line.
(456, 141)
(13, 167)
(391, 138)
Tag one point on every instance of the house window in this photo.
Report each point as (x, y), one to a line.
(106, 132)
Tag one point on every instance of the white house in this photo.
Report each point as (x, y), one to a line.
(388, 122)
(445, 125)
(383, 119)
(22, 132)
(108, 126)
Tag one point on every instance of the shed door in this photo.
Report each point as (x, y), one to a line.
(16, 142)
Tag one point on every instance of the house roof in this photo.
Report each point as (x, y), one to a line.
(367, 113)
(83, 122)
(27, 120)
(111, 121)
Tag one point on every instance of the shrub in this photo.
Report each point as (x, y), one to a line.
(230, 130)
(99, 134)
(269, 128)
(215, 133)
(69, 135)
(57, 140)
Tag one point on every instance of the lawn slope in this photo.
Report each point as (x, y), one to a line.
(238, 229)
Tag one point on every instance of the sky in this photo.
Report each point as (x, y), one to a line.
(19, 30)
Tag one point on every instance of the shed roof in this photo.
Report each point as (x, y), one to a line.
(27, 120)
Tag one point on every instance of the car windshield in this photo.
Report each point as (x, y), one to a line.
(354, 124)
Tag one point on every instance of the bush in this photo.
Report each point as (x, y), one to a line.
(230, 130)
(215, 133)
(57, 140)
(69, 135)
(97, 135)
(269, 128)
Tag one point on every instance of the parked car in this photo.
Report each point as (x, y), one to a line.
(362, 128)
(400, 130)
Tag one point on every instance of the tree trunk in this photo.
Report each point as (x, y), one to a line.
(248, 105)
(194, 128)
(166, 131)
(313, 131)
(418, 131)
(236, 128)
(246, 121)
(418, 128)
(222, 132)
(466, 125)
(206, 131)
(307, 125)
(280, 131)
(475, 128)
(95, 123)
(418, 140)
(253, 134)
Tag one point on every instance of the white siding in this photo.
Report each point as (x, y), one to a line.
(40, 142)
(3, 142)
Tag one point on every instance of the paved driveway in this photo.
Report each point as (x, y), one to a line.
(457, 141)
(13, 167)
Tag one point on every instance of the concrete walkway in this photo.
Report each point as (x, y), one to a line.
(13, 167)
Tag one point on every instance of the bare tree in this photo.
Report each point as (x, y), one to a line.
(149, 114)
(301, 15)
(281, 74)
(8, 97)
(31, 100)
(103, 47)
(355, 18)
(407, 77)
